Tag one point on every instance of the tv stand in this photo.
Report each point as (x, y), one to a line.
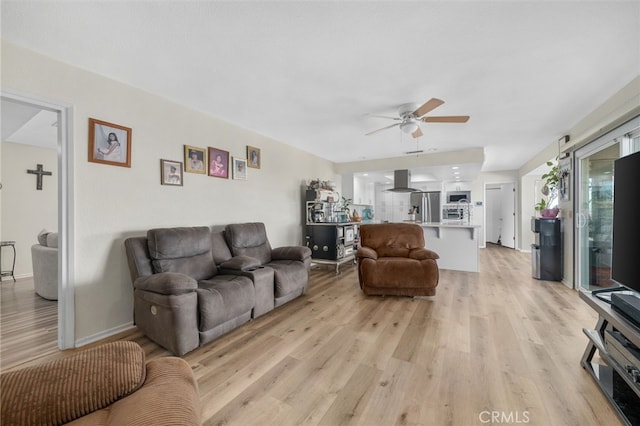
(628, 305)
(618, 382)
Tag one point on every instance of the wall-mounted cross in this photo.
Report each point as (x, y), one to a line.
(40, 172)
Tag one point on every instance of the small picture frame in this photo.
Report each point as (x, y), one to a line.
(218, 163)
(195, 160)
(253, 157)
(109, 143)
(239, 168)
(170, 172)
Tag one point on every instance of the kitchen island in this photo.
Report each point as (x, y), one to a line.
(455, 242)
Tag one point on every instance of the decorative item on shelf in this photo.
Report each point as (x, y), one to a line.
(355, 216)
(547, 206)
(322, 184)
(367, 214)
(412, 214)
(344, 206)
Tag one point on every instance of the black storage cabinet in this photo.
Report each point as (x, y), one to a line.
(324, 242)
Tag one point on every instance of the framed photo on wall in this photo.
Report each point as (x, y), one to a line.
(195, 160)
(239, 168)
(109, 143)
(170, 172)
(253, 157)
(218, 163)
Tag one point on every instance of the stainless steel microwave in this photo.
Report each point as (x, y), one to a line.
(455, 196)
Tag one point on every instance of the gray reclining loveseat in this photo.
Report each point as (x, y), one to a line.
(192, 285)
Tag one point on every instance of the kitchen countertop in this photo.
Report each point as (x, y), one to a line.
(452, 224)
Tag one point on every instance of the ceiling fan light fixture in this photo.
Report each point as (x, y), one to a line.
(409, 127)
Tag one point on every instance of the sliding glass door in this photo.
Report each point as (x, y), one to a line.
(594, 203)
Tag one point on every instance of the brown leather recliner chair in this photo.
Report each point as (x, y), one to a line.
(393, 260)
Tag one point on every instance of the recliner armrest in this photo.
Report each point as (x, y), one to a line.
(366, 253)
(166, 283)
(241, 263)
(291, 253)
(423, 254)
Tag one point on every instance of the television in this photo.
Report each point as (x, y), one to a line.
(625, 269)
(626, 235)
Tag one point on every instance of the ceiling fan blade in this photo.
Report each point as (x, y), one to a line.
(431, 104)
(383, 116)
(417, 133)
(446, 119)
(379, 130)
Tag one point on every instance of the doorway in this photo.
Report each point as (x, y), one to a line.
(64, 182)
(500, 218)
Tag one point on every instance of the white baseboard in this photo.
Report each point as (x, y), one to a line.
(18, 277)
(103, 334)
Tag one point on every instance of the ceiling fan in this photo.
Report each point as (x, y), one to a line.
(410, 119)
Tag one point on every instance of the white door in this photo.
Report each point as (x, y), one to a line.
(508, 214)
(500, 202)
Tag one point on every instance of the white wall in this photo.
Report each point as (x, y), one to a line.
(113, 203)
(25, 210)
(621, 106)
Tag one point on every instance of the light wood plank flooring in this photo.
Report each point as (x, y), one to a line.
(28, 323)
(495, 341)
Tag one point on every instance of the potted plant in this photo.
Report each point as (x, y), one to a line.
(549, 192)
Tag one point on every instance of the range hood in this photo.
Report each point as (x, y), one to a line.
(401, 182)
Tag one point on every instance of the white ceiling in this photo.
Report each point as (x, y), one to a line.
(307, 73)
(29, 125)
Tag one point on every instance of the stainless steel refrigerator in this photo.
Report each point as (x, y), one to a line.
(427, 206)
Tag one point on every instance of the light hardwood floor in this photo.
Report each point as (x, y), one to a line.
(495, 343)
(28, 323)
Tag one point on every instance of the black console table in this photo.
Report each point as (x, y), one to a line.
(619, 383)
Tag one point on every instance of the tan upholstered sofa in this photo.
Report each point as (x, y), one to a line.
(192, 285)
(392, 260)
(110, 384)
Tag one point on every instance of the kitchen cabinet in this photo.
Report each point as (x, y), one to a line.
(457, 186)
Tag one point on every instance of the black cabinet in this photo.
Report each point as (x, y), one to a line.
(330, 241)
(546, 253)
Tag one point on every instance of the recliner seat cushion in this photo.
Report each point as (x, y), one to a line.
(224, 297)
(182, 250)
(397, 272)
(289, 276)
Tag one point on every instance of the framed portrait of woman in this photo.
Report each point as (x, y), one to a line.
(195, 160)
(109, 143)
(253, 157)
(239, 168)
(218, 163)
(170, 172)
